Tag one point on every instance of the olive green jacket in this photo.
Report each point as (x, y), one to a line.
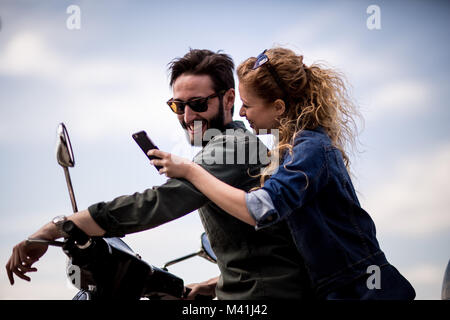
(178, 197)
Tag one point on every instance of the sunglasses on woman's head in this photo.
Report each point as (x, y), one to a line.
(196, 104)
(263, 59)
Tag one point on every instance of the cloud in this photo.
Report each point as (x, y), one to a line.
(101, 95)
(413, 200)
(426, 279)
(426, 274)
(405, 97)
(378, 75)
(119, 105)
(28, 54)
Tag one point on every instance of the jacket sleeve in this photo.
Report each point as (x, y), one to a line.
(151, 208)
(298, 178)
(176, 197)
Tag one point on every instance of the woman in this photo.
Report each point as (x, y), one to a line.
(311, 188)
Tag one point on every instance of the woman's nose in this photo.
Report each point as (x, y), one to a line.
(242, 112)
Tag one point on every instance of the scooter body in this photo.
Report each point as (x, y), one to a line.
(107, 268)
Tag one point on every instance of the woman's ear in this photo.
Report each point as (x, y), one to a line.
(279, 106)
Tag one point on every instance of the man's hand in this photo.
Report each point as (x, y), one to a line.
(23, 256)
(206, 288)
(26, 253)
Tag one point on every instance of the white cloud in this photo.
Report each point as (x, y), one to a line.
(425, 274)
(136, 104)
(28, 54)
(426, 279)
(101, 96)
(408, 97)
(413, 200)
(378, 75)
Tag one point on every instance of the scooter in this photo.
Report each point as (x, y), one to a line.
(107, 268)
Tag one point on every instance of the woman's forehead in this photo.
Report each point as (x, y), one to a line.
(246, 93)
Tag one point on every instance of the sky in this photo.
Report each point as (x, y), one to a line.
(106, 78)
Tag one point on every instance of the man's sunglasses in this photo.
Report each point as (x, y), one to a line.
(263, 59)
(196, 104)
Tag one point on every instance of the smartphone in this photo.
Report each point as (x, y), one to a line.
(146, 144)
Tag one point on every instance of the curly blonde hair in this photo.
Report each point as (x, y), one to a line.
(314, 96)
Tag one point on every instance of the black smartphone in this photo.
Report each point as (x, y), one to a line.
(146, 144)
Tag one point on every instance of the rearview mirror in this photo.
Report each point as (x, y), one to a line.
(64, 153)
(207, 251)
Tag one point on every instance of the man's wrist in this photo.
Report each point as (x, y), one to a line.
(47, 232)
(58, 221)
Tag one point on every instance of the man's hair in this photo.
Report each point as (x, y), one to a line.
(219, 66)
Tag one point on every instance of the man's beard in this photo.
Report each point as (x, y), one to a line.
(217, 122)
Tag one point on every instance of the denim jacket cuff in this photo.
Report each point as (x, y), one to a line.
(261, 207)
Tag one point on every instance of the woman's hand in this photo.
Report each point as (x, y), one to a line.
(172, 165)
(229, 198)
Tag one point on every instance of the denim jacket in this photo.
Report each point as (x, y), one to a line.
(313, 192)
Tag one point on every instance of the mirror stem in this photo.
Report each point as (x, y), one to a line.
(69, 186)
(182, 258)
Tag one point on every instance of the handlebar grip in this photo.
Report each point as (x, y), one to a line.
(186, 292)
(75, 233)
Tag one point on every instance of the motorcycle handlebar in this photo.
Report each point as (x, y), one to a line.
(117, 272)
(75, 233)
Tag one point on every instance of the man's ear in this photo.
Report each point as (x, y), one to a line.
(228, 99)
(279, 106)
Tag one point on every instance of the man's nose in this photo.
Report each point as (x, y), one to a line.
(189, 114)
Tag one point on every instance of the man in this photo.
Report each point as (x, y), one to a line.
(253, 264)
